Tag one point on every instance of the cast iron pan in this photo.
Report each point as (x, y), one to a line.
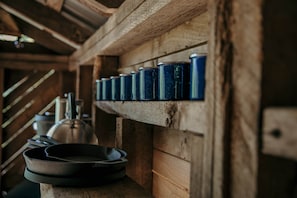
(38, 162)
(77, 180)
(86, 153)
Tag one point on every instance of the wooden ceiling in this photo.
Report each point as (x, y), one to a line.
(58, 27)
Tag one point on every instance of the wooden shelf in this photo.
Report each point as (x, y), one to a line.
(134, 23)
(181, 115)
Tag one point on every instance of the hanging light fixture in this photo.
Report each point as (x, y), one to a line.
(18, 43)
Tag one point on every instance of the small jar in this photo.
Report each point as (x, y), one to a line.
(125, 87)
(197, 76)
(173, 81)
(148, 83)
(115, 88)
(135, 85)
(106, 89)
(98, 90)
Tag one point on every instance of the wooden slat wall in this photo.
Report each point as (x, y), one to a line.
(171, 163)
(35, 93)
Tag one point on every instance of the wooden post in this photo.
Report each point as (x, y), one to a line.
(137, 140)
(104, 124)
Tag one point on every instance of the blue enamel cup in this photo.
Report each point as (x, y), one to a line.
(115, 88)
(125, 87)
(135, 85)
(148, 78)
(98, 90)
(197, 76)
(173, 80)
(106, 89)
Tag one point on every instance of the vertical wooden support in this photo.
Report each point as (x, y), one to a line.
(104, 124)
(137, 140)
(233, 99)
(196, 166)
(1, 115)
(84, 88)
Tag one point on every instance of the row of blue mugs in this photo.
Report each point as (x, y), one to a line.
(168, 81)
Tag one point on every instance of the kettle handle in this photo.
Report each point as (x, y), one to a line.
(71, 106)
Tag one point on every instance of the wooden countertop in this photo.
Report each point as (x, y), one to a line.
(125, 187)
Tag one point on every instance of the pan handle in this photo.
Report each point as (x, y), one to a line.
(105, 163)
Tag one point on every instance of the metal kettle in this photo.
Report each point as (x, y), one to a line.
(71, 129)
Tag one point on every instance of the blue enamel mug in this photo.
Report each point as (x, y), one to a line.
(148, 83)
(98, 90)
(125, 87)
(135, 85)
(106, 89)
(173, 80)
(197, 76)
(115, 88)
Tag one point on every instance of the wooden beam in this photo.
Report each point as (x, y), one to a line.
(98, 7)
(44, 38)
(111, 4)
(128, 28)
(8, 25)
(47, 19)
(55, 4)
(33, 62)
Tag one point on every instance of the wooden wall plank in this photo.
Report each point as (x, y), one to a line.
(174, 142)
(164, 188)
(137, 141)
(30, 80)
(186, 36)
(172, 168)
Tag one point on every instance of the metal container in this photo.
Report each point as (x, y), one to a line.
(173, 81)
(115, 88)
(125, 90)
(106, 89)
(43, 122)
(135, 85)
(71, 129)
(98, 90)
(197, 76)
(148, 83)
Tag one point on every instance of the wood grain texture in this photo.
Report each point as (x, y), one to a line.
(246, 79)
(186, 36)
(137, 141)
(197, 170)
(33, 62)
(175, 170)
(279, 132)
(47, 18)
(125, 188)
(139, 26)
(173, 142)
(164, 188)
(180, 115)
